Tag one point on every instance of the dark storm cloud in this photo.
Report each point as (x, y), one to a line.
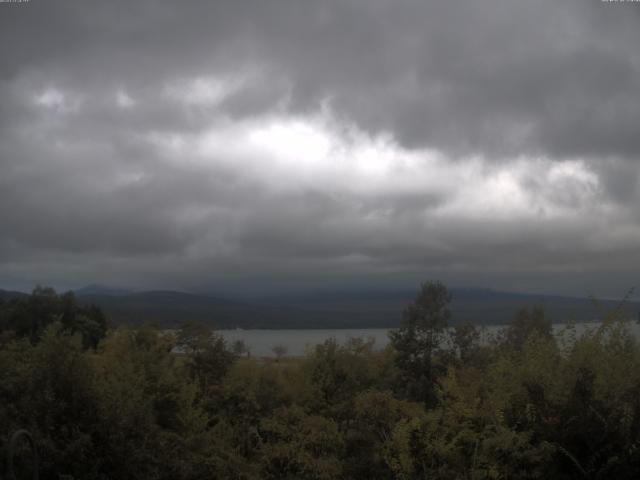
(496, 77)
(128, 138)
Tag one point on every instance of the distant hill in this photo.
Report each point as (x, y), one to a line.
(9, 294)
(96, 289)
(359, 309)
(168, 308)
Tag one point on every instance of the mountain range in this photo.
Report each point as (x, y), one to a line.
(327, 309)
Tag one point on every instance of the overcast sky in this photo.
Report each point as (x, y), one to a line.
(236, 144)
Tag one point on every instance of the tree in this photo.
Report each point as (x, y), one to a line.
(419, 338)
(46, 388)
(149, 423)
(279, 351)
(208, 359)
(239, 348)
(29, 316)
(465, 339)
(528, 322)
(297, 445)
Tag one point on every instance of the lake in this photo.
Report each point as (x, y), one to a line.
(296, 342)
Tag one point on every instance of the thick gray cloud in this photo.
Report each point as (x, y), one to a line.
(225, 144)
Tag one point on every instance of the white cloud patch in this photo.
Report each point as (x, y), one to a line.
(527, 188)
(291, 154)
(56, 100)
(205, 90)
(123, 99)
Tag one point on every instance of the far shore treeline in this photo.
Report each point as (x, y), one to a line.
(110, 401)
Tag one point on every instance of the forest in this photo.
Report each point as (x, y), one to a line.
(135, 402)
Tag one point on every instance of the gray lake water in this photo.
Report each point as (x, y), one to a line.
(297, 342)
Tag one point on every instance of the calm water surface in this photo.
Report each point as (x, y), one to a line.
(296, 342)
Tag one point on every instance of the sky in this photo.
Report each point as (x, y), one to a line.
(252, 146)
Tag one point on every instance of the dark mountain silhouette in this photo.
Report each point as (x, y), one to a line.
(9, 294)
(328, 309)
(96, 289)
(335, 309)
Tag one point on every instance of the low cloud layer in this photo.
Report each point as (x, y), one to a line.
(236, 146)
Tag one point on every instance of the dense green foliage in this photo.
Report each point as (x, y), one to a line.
(438, 403)
(29, 316)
